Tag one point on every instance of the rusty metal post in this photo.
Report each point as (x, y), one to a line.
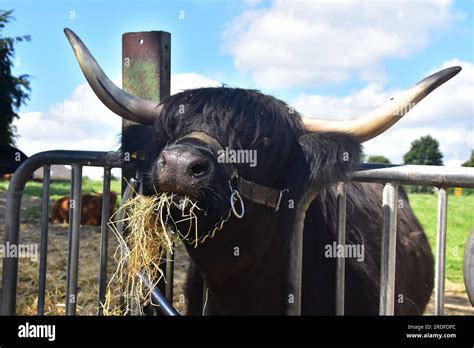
(146, 73)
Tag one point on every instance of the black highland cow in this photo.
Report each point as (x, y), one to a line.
(293, 187)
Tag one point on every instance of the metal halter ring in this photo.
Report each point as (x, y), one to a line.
(235, 196)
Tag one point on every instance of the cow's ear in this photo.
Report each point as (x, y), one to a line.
(137, 139)
(329, 156)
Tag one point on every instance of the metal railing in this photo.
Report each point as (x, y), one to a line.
(390, 175)
(77, 159)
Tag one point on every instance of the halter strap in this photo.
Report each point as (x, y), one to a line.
(250, 190)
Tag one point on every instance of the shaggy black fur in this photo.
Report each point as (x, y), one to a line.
(254, 281)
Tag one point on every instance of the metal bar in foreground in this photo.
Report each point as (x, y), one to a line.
(72, 273)
(341, 241)
(441, 251)
(104, 241)
(389, 245)
(44, 240)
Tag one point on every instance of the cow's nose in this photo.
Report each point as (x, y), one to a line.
(181, 167)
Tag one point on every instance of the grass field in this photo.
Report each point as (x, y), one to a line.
(460, 225)
(59, 189)
(62, 188)
(460, 217)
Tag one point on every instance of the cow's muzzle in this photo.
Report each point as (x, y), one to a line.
(183, 169)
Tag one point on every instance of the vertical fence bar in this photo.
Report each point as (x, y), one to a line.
(441, 250)
(169, 276)
(12, 236)
(44, 240)
(104, 242)
(71, 195)
(388, 259)
(204, 298)
(75, 206)
(126, 195)
(341, 241)
(293, 301)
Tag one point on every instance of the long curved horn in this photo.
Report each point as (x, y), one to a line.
(376, 122)
(120, 102)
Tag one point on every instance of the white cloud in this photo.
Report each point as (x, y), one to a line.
(82, 122)
(180, 82)
(447, 114)
(296, 43)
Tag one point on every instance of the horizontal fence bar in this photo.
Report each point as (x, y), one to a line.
(415, 175)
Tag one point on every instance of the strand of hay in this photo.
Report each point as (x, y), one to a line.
(152, 233)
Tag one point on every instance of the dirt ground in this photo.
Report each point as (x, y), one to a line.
(457, 302)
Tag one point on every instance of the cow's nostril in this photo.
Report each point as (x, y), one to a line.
(199, 169)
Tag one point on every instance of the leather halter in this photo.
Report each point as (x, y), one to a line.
(260, 194)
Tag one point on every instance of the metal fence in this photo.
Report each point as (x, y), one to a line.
(77, 159)
(390, 175)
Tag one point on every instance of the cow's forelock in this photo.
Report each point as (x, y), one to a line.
(239, 119)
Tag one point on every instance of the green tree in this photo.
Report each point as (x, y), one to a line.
(14, 90)
(378, 159)
(424, 151)
(469, 162)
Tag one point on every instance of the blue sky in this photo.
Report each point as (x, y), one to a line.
(48, 57)
(196, 43)
(335, 59)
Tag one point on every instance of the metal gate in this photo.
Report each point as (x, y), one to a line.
(390, 175)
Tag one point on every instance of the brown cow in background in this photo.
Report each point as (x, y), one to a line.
(91, 209)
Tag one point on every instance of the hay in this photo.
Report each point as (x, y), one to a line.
(152, 233)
